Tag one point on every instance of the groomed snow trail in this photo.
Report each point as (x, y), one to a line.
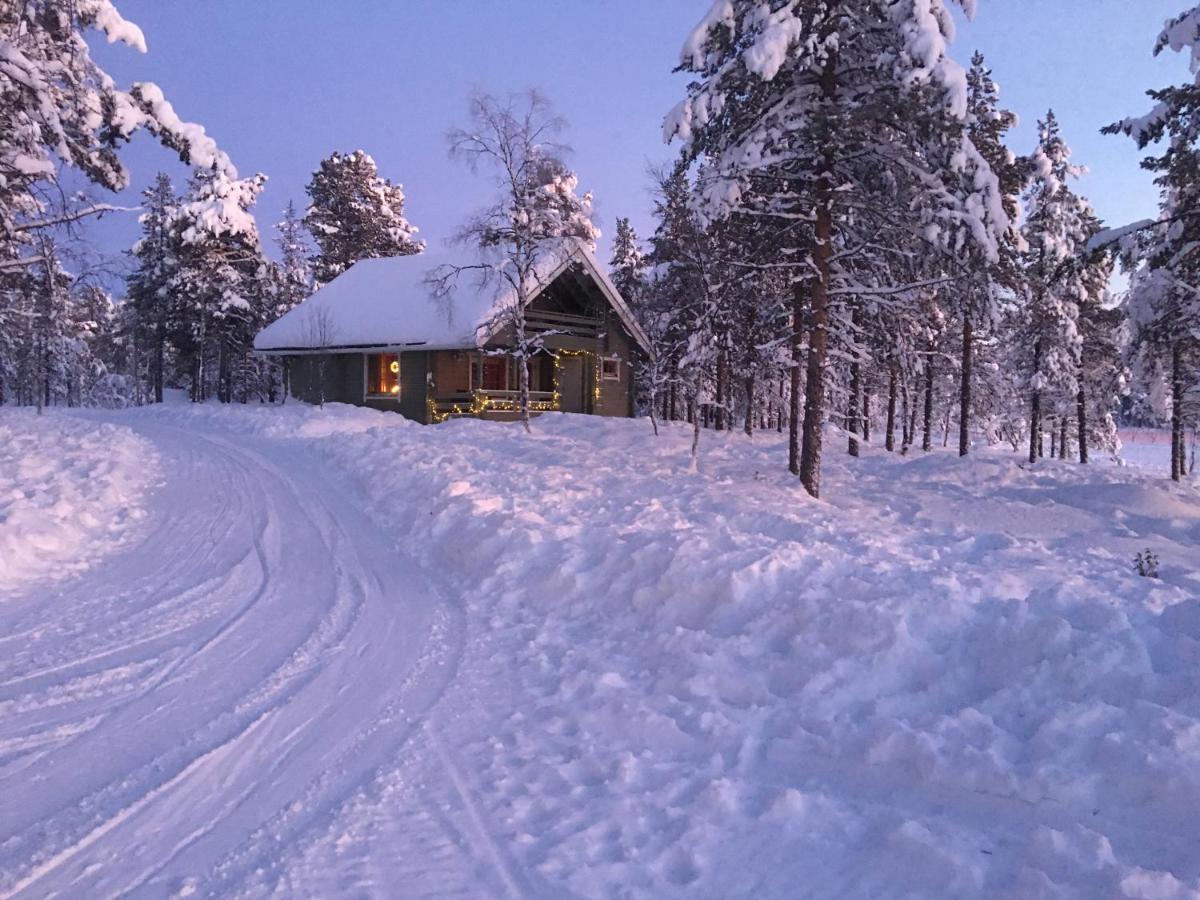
(219, 690)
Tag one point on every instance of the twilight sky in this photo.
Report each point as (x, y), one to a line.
(282, 84)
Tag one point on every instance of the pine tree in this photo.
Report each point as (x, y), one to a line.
(295, 278)
(840, 129)
(354, 214)
(977, 296)
(148, 287)
(1057, 229)
(627, 267)
(220, 283)
(1103, 374)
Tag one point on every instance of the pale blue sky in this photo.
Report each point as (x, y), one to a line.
(282, 84)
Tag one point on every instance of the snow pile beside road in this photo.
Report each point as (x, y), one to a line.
(70, 492)
(946, 681)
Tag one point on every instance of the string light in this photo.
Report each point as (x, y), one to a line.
(481, 402)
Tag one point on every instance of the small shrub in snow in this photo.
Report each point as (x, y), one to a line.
(1146, 563)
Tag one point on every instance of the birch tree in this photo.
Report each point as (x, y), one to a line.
(532, 224)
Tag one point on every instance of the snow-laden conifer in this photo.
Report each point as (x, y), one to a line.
(355, 213)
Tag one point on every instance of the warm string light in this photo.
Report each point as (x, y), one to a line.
(481, 402)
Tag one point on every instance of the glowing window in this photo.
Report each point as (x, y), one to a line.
(383, 375)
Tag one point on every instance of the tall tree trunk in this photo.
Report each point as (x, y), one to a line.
(694, 416)
(749, 405)
(722, 394)
(814, 383)
(1178, 454)
(866, 415)
(1035, 406)
(669, 412)
(964, 390)
(160, 351)
(1053, 440)
(855, 410)
(1081, 419)
(927, 424)
(890, 435)
(799, 312)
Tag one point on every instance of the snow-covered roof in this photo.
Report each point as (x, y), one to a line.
(390, 304)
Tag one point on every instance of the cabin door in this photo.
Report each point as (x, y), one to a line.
(571, 384)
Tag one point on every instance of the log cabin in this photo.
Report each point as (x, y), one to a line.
(381, 335)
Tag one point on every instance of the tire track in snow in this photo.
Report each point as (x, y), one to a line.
(278, 725)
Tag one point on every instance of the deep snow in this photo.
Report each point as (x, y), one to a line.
(355, 655)
(70, 492)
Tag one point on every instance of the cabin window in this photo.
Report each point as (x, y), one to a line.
(610, 368)
(383, 375)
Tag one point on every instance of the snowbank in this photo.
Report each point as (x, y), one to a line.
(945, 681)
(71, 491)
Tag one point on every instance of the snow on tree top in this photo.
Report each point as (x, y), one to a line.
(389, 303)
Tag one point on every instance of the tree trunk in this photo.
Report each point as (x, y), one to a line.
(1053, 440)
(855, 411)
(814, 384)
(1035, 406)
(1081, 418)
(722, 393)
(866, 415)
(695, 434)
(1177, 444)
(927, 425)
(890, 436)
(798, 314)
(964, 391)
(1062, 437)
(160, 350)
(749, 405)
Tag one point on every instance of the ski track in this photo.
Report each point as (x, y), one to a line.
(232, 685)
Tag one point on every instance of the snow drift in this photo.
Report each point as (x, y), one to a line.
(70, 492)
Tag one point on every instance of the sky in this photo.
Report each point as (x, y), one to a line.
(281, 85)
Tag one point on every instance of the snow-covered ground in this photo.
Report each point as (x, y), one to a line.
(359, 656)
(70, 492)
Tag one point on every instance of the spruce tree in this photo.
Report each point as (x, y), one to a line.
(1058, 225)
(149, 285)
(977, 294)
(627, 267)
(354, 214)
(219, 285)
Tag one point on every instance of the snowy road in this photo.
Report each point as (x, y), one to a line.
(218, 690)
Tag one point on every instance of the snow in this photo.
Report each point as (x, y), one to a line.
(390, 303)
(70, 492)
(464, 660)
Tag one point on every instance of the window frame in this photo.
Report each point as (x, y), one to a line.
(393, 396)
(616, 361)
